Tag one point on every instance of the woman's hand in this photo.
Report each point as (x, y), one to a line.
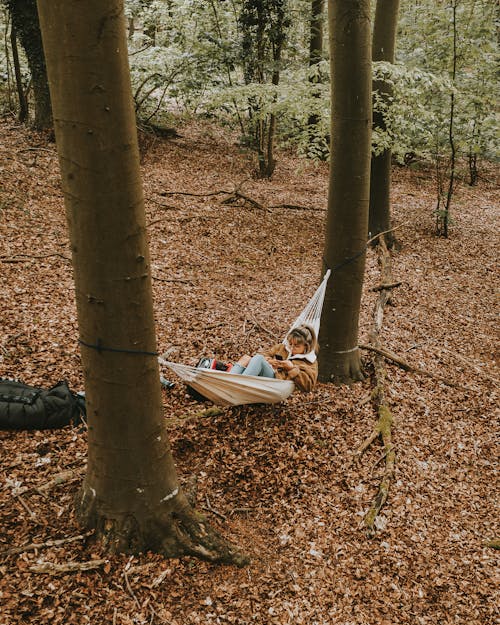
(287, 365)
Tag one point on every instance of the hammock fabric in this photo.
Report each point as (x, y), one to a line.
(229, 389)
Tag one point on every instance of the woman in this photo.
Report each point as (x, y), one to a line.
(295, 360)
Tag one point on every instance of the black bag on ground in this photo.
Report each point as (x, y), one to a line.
(24, 407)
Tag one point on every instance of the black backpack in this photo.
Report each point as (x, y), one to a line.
(24, 407)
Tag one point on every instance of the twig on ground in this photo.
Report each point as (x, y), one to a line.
(19, 258)
(261, 327)
(61, 478)
(45, 545)
(209, 508)
(129, 587)
(298, 208)
(181, 280)
(239, 510)
(165, 193)
(25, 506)
(52, 568)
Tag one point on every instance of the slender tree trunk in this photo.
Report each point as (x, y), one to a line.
(444, 220)
(315, 50)
(130, 494)
(25, 20)
(348, 194)
(23, 101)
(384, 39)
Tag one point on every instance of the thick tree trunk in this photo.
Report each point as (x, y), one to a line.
(384, 39)
(25, 20)
(130, 494)
(348, 195)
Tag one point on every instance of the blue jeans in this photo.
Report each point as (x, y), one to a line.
(258, 365)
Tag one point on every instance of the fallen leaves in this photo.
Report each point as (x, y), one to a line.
(278, 480)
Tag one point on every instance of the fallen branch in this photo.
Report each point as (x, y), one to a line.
(296, 207)
(388, 355)
(238, 195)
(19, 258)
(383, 427)
(60, 478)
(165, 193)
(180, 280)
(52, 568)
(233, 196)
(46, 545)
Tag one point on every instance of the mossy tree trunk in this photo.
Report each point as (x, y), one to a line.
(384, 41)
(348, 194)
(130, 494)
(25, 21)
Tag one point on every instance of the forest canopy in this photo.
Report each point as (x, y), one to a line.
(250, 65)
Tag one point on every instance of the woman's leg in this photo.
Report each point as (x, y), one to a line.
(237, 368)
(258, 365)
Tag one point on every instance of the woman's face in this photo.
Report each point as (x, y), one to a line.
(295, 347)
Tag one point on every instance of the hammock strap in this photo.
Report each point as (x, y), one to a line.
(102, 348)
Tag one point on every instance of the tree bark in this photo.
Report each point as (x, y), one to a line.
(348, 194)
(23, 100)
(315, 45)
(130, 494)
(24, 16)
(384, 41)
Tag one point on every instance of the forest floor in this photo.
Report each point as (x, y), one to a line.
(280, 481)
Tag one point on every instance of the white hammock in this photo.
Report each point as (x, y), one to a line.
(229, 389)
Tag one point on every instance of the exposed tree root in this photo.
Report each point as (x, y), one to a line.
(173, 529)
(383, 428)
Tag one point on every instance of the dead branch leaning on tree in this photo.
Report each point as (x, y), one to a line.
(383, 427)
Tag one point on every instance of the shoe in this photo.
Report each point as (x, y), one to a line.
(205, 363)
(222, 366)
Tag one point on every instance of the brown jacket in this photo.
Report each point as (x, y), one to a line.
(304, 373)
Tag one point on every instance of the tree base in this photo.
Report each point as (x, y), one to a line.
(173, 529)
(343, 368)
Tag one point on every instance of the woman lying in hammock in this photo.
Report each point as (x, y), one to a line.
(295, 360)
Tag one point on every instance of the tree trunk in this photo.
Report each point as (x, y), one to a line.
(130, 494)
(25, 21)
(348, 194)
(315, 46)
(384, 39)
(23, 101)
